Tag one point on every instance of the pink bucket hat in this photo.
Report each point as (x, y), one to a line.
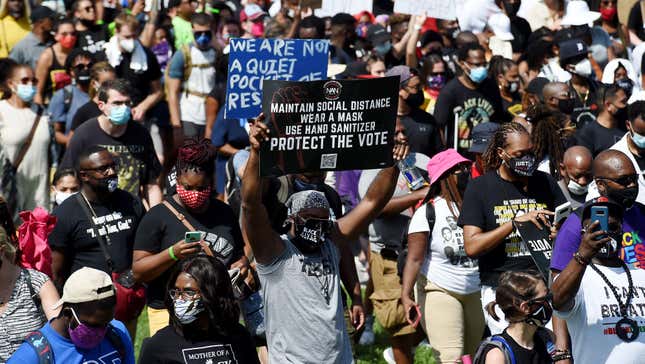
(443, 162)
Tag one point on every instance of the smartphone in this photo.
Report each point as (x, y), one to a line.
(600, 214)
(562, 212)
(193, 236)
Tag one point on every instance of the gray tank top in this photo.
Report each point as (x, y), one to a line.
(302, 305)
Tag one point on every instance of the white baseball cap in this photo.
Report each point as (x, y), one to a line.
(86, 285)
(578, 13)
(500, 24)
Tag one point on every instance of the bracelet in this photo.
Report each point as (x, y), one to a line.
(580, 259)
(563, 356)
(171, 252)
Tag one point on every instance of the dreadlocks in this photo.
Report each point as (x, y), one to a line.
(546, 137)
(492, 161)
(197, 155)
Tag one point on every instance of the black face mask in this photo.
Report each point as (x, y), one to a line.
(627, 85)
(566, 106)
(624, 196)
(312, 234)
(87, 23)
(522, 166)
(621, 114)
(462, 182)
(83, 77)
(511, 9)
(415, 100)
(541, 315)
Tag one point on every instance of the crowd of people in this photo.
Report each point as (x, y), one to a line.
(126, 191)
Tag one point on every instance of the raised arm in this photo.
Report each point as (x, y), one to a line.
(265, 242)
(567, 283)
(377, 196)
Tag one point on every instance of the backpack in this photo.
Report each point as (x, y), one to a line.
(498, 341)
(403, 249)
(43, 349)
(188, 66)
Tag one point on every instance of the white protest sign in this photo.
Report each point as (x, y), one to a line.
(440, 9)
(333, 7)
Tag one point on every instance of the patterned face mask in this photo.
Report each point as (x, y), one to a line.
(193, 199)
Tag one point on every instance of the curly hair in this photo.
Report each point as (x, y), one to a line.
(492, 161)
(215, 290)
(197, 155)
(546, 138)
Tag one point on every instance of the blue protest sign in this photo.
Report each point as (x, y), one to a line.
(254, 60)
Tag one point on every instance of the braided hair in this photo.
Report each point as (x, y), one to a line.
(492, 161)
(546, 137)
(196, 155)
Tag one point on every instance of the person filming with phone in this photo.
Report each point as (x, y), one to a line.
(189, 222)
(598, 294)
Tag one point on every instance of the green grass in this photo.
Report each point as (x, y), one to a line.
(372, 354)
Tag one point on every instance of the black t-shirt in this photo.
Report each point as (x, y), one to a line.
(93, 39)
(635, 21)
(422, 132)
(491, 201)
(85, 113)
(118, 217)
(160, 229)
(537, 355)
(168, 347)
(521, 31)
(140, 81)
(586, 108)
(477, 106)
(134, 151)
(598, 138)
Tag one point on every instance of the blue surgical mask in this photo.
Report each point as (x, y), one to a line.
(478, 74)
(638, 139)
(383, 49)
(119, 115)
(26, 92)
(299, 185)
(203, 39)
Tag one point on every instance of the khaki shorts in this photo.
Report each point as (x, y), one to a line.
(387, 296)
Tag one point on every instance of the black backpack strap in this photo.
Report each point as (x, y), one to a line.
(68, 96)
(431, 215)
(41, 345)
(116, 341)
(495, 341)
(99, 238)
(32, 292)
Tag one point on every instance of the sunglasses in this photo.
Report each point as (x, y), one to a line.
(548, 297)
(325, 224)
(623, 180)
(82, 66)
(205, 32)
(104, 169)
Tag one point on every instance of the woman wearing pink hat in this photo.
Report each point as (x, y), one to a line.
(448, 293)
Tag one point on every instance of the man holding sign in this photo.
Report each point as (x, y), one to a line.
(299, 271)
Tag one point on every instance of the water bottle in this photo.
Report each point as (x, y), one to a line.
(413, 177)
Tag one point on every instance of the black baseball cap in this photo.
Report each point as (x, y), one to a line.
(572, 48)
(377, 34)
(41, 12)
(482, 135)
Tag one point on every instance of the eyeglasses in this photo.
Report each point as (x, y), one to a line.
(624, 181)
(186, 294)
(104, 169)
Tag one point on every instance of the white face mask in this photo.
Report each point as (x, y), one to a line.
(127, 45)
(576, 188)
(187, 311)
(583, 68)
(62, 196)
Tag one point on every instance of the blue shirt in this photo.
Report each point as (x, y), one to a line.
(57, 106)
(227, 131)
(66, 352)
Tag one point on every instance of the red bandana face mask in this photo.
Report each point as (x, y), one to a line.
(193, 199)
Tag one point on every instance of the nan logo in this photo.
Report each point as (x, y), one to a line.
(331, 90)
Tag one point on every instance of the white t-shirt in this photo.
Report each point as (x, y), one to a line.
(593, 318)
(446, 263)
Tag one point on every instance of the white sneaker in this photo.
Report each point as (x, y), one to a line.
(388, 355)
